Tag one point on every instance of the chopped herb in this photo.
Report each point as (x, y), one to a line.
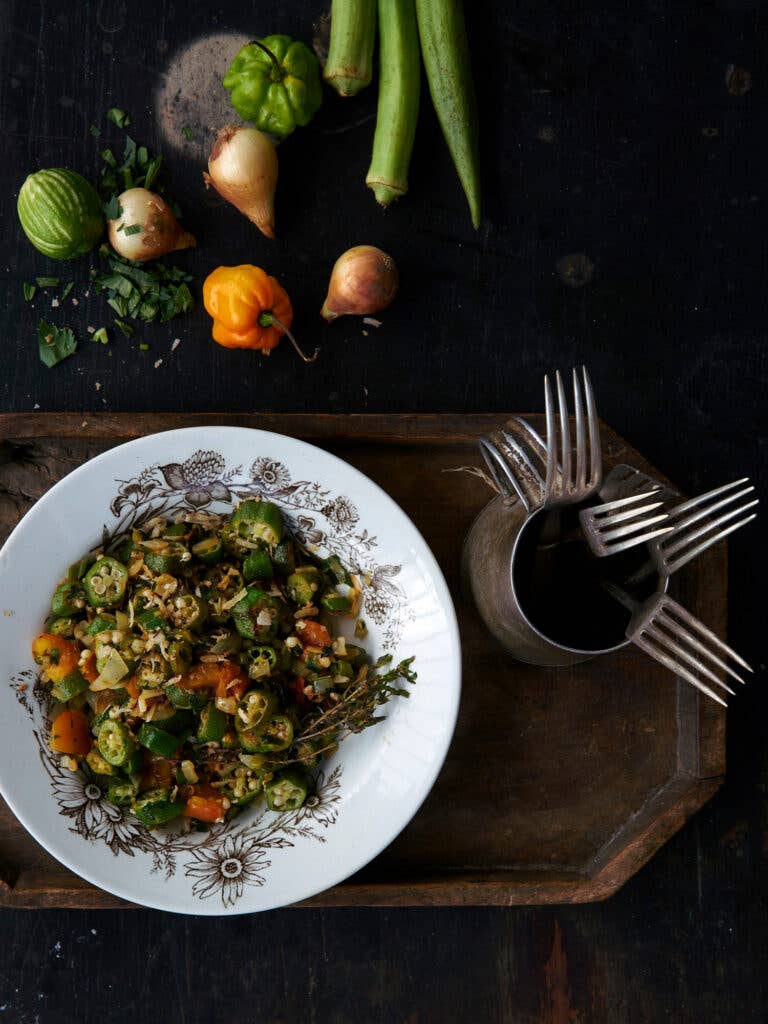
(67, 289)
(148, 293)
(54, 343)
(144, 346)
(188, 134)
(137, 169)
(29, 291)
(95, 131)
(47, 282)
(101, 335)
(113, 209)
(124, 327)
(109, 158)
(118, 117)
(133, 229)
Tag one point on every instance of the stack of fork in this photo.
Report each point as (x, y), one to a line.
(565, 468)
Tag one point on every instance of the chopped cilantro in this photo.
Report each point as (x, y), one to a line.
(118, 117)
(101, 335)
(144, 346)
(47, 282)
(95, 131)
(29, 291)
(148, 293)
(124, 327)
(67, 289)
(112, 209)
(54, 343)
(188, 134)
(133, 229)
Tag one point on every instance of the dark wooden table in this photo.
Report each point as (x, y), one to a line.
(613, 133)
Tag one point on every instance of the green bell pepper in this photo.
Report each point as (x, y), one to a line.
(212, 725)
(275, 83)
(158, 741)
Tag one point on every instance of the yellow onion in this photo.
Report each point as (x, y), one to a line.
(242, 168)
(146, 227)
(363, 280)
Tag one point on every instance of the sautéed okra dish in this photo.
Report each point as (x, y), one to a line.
(197, 666)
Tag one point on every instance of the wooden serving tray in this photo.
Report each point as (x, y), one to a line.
(560, 783)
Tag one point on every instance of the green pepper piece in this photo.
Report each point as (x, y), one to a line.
(209, 550)
(68, 599)
(115, 742)
(254, 713)
(155, 808)
(134, 764)
(287, 791)
(277, 736)
(258, 520)
(78, 569)
(105, 582)
(150, 621)
(212, 725)
(121, 792)
(189, 611)
(101, 624)
(275, 83)
(255, 605)
(63, 627)
(157, 740)
(303, 584)
(194, 700)
(335, 567)
(257, 566)
(97, 764)
(163, 555)
(176, 530)
(335, 603)
(179, 656)
(69, 687)
(284, 557)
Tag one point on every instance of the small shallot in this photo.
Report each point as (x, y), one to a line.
(146, 227)
(363, 280)
(242, 168)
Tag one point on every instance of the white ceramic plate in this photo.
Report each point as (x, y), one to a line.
(366, 793)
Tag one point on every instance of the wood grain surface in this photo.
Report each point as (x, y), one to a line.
(504, 824)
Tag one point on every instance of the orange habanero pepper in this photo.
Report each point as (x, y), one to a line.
(250, 309)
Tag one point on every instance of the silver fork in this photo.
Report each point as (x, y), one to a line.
(689, 536)
(678, 640)
(621, 524)
(566, 482)
(515, 456)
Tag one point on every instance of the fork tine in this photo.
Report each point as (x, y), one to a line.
(647, 645)
(644, 538)
(551, 440)
(667, 641)
(609, 506)
(623, 531)
(672, 608)
(593, 423)
(501, 472)
(677, 563)
(702, 512)
(693, 535)
(565, 435)
(696, 502)
(603, 521)
(523, 456)
(581, 437)
(534, 436)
